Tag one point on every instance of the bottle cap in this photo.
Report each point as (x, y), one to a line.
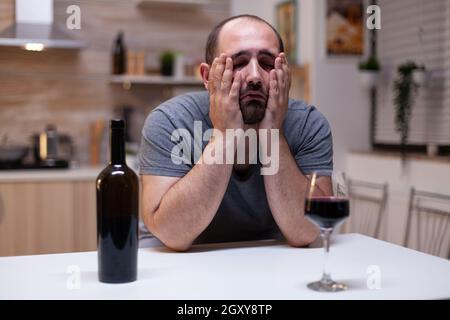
(117, 124)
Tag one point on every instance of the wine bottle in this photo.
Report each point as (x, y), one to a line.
(119, 55)
(117, 191)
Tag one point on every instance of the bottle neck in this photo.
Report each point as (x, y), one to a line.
(117, 146)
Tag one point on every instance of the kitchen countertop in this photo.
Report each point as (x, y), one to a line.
(74, 173)
(48, 175)
(372, 269)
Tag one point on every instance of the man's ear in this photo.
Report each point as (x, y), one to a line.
(204, 72)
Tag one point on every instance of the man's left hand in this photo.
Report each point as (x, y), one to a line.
(279, 85)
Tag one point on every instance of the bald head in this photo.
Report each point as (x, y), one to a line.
(228, 24)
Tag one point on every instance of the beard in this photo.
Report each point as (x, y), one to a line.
(253, 111)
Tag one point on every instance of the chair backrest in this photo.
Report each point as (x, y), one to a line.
(428, 226)
(367, 206)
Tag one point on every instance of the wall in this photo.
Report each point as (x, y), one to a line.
(338, 93)
(262, 8)
(336, 89)
(71, 88)
(416, 30)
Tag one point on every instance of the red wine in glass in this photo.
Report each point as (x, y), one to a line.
(327, 212)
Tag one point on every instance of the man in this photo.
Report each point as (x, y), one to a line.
(247, 78)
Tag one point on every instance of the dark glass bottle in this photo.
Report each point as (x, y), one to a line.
(117, 189)
(119, 55)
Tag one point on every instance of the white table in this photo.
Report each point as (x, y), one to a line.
(261, 270)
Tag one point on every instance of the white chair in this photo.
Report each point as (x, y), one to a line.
(367, 207)
(428, 223)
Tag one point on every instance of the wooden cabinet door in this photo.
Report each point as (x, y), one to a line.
(85, 216)
(47, 217)
(8, 218)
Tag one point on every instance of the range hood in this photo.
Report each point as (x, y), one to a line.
(34, 28)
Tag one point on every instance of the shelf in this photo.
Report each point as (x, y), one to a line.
(156, 80)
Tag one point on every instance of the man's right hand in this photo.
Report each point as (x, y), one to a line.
(223, 90)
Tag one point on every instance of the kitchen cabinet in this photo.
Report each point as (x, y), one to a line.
(40, 217)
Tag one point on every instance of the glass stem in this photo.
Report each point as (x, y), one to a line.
(325, 234)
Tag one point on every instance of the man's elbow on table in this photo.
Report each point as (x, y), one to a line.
(177, 246)
(304, 241)
(172, 243)
(169, 241)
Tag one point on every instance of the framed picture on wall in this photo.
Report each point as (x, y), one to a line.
(345, 27)
(286, 23)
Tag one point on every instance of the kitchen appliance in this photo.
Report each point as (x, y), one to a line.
(58, 164)
(10, 154)
(35, 30)
(47, 145)
(51, 150)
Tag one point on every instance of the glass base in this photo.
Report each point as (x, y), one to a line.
(327, 286)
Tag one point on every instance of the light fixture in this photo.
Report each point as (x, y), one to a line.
(34, 46)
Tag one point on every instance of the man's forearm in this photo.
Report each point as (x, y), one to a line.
(190, 205)
(286, 196)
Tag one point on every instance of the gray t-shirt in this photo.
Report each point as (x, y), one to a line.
(244, 213)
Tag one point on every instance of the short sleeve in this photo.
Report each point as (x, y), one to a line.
(158, 154)
(315, 152)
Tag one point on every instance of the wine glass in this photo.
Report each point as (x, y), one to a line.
(327, 211)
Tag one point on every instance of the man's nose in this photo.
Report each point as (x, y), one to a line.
(254, 75)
